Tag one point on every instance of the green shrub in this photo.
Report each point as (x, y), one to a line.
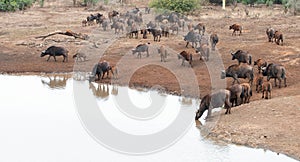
(13, 5)
(90, 2)
(180, 6)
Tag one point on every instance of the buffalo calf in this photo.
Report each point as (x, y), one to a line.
(236, 27)
(266, 87)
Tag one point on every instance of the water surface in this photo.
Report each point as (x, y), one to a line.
(40, 122)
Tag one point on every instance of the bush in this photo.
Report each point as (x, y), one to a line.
(90, 2)
(13, 5)
(180, 6)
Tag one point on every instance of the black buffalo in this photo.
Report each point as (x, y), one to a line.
(214, 39)
(275, 71)
(100, 69)
(55, 51)
(214, 100)
(270, 33)
(242, 56)
(238, 71)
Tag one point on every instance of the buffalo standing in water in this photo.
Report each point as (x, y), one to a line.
(214, 100)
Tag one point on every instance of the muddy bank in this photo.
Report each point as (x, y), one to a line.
(270, 124)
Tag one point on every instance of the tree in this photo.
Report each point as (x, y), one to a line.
(176, 5)
(13, 5)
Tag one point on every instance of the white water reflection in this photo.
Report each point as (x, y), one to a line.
(38, 123)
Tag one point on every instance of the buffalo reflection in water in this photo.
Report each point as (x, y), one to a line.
(103, 90)
(56, 81)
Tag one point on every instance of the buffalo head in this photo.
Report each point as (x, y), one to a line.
(134, 51)
(264, 70)
(198, 114)
(203, 106)
(43, 53)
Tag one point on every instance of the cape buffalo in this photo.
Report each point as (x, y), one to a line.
(247, 92)
(80, 56)
(236, 27)
(185, 56)
(266, 87)
(156, 34)
(270, 33)
(275, 71)
(238, 71)
(214, 100)
(204, 52)
(242, 56)
(192, 37)
(278, 37)
(163, 53)
(214, 40)
(200, 27)
(260, 63)
(141, 48)
(55, 51)
(236, 94)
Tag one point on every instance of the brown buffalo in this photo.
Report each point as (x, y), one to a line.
(236, 27)
(163, 53)
(200, 27)
(258, 82)
(185, 56)
(266, 87)
(270, 33)
(247, 92)
(214, 39)
(278, 37)
(236, 94)
(260, 63)
(112, 14)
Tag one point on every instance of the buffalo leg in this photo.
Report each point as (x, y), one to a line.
(279, 82)
(48, 57)
(285, 82)
(139, 55)
(54, 58)
(263, 92)
(228, 111)
(208, 112)
(187, 43)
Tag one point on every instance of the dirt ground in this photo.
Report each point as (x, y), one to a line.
(271, 124)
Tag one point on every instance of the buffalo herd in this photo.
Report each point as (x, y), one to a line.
(237, 93)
